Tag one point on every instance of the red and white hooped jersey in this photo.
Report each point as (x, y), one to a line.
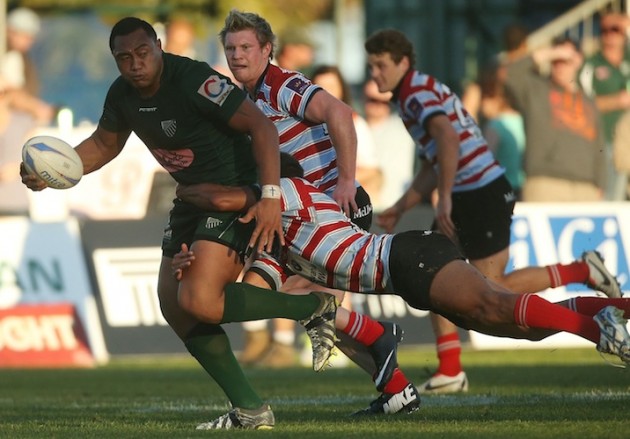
(421, 96)
(283, 96)
(318, 234)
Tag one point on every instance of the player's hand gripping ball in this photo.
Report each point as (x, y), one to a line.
(52, 160)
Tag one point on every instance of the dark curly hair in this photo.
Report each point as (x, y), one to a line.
(391, 41)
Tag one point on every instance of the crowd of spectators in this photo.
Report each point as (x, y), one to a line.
(555, 116)
(536, 108)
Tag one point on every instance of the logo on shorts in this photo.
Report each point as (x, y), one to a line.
(211, 223)
(169, 127)
(168, 234)
(509, 197)
(362, 211)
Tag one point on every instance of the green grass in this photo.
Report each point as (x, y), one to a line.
(519, 394)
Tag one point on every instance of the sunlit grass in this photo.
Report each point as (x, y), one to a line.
(562, 393)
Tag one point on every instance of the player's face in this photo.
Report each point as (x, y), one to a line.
(246, 58)
(139, 60)
(385, 72)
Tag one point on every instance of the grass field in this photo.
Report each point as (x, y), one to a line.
(518, 394)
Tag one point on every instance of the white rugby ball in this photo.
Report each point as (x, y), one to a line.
(52, 160)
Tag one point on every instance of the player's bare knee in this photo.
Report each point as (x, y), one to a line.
(199, 307)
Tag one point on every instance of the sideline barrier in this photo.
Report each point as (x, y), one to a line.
(43, 265)
(107, 271)
(43, 335)
(544, 233)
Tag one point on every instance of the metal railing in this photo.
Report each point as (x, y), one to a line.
(578, 23)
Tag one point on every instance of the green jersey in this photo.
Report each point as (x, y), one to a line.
(599, 78)
(185, 124)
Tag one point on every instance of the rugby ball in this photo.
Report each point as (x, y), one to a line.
(52, 160)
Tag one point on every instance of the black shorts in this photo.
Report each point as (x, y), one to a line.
(188, 224)
(415, 258)
(483, 218)
(363, 216)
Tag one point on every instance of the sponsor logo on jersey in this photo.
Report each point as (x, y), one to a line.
(215, 89)
(602, 73)
(174, 160)
(415, 107)
(147, 109)
(211, 223)
(169, 127)
(298, 85)
(306, 269)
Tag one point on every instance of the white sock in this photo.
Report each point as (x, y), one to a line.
(255, 325)
(284, 337)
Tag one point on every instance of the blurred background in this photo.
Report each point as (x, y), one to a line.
(452, 37)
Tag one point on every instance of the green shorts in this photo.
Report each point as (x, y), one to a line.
(188, 224)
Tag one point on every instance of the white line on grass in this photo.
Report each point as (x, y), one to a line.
(427, 401)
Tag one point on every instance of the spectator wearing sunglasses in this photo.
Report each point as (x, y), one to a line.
(606, 77)
(564, 159)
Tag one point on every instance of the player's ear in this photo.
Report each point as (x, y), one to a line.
(404, 62)
(266, 49)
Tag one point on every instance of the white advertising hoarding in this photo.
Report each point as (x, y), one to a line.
(547, 233)
(43, 263)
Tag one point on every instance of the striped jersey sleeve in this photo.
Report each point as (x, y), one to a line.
(324, 246)
(421, 97)
(283, 97)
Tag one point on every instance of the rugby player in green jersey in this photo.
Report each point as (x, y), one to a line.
(201, 128)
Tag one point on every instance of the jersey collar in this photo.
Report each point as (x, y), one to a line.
(403, 80)
(261, 79)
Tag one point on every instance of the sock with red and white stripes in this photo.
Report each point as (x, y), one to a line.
(561, 274)
(449, 349)
(589, 306)
(363, 329)
(535, 312)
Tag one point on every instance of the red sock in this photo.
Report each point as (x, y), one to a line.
(574, 273)
(449, 348)
(589, 306)
(398, 382)
(363, 329)
(535, 312)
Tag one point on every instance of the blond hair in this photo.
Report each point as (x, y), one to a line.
(237, 21)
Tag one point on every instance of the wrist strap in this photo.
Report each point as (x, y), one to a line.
(270, 191)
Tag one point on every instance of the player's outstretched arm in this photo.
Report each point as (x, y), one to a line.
(210, 196)
(101, 148)
(248, 118)
(95, 151)
(325, 108)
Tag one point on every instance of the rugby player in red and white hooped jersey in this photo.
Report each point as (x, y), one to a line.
(475, 200)
(424, 268)
(313, 126)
